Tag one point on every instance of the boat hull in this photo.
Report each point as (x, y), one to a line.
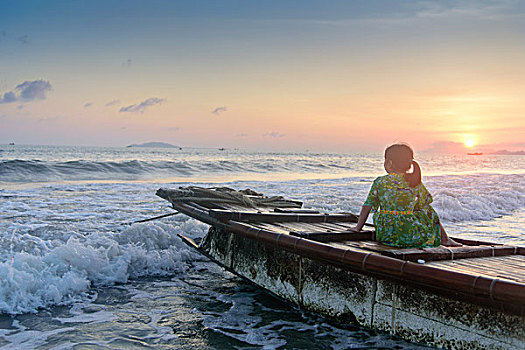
(392, 306)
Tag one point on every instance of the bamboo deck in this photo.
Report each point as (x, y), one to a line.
(488, 273)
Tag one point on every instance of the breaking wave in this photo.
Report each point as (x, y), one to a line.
(40, 271)
(477, 197)
(41, 171)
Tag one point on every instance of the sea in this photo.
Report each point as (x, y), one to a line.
(78, 272)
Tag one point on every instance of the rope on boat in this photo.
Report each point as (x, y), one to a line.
(246, 198)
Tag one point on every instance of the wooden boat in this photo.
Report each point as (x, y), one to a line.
(470, 297)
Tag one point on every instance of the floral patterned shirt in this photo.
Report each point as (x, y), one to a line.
(403, 215)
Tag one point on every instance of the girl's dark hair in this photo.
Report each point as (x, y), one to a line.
(402, 157)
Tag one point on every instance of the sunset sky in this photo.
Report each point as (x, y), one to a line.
(264, 75)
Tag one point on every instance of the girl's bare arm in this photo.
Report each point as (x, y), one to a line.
(365, 210)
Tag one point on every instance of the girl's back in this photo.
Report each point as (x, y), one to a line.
(392, 192)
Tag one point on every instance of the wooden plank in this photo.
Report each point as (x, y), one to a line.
(376, 246)
(443, 253)
(517, 261)
(313, 227)
(517, 272)
(200, 207)
(354, 245)
(322, 232)
(494, 267)
(290, 226)
(343, 225)
(486, 273)
(519, 258)
(298, 226)
(500, 262)
(269, 227)
(338, 227)
(334, 236)
(485, 268)
(237, 207)
(246, 216)
(465, 241)
(329, 227)
(296, 211)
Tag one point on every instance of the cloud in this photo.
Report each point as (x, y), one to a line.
(126, 63)
(27, 91)
(89, 104)
(219, 110)
(48, 120)
(24, 39)
(242, 135)
(141, 107)
(174, 129)
(112, 103)
(274, 134)
(8, 97)
(480, 9)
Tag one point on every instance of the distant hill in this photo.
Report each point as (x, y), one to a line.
(510, 153)
(154, 145)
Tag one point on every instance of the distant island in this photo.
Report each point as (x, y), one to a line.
(503, 152)
(154, 145)
(511, 153)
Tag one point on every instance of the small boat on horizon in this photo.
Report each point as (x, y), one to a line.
(469, 297)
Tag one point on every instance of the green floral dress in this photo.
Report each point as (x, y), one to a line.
(406, 218)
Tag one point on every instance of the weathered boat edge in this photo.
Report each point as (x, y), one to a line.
(396, 308)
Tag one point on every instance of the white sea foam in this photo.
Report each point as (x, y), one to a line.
(19, 337)
(37, 273)
(94, 317)
(477, 197)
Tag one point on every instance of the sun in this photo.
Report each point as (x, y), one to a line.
(469, 142)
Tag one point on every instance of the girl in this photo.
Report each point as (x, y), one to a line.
(406, 218)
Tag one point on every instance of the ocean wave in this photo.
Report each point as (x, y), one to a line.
(47, 164)
(40, 171)
(44, 171)
(40, 272)
(477, 197)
